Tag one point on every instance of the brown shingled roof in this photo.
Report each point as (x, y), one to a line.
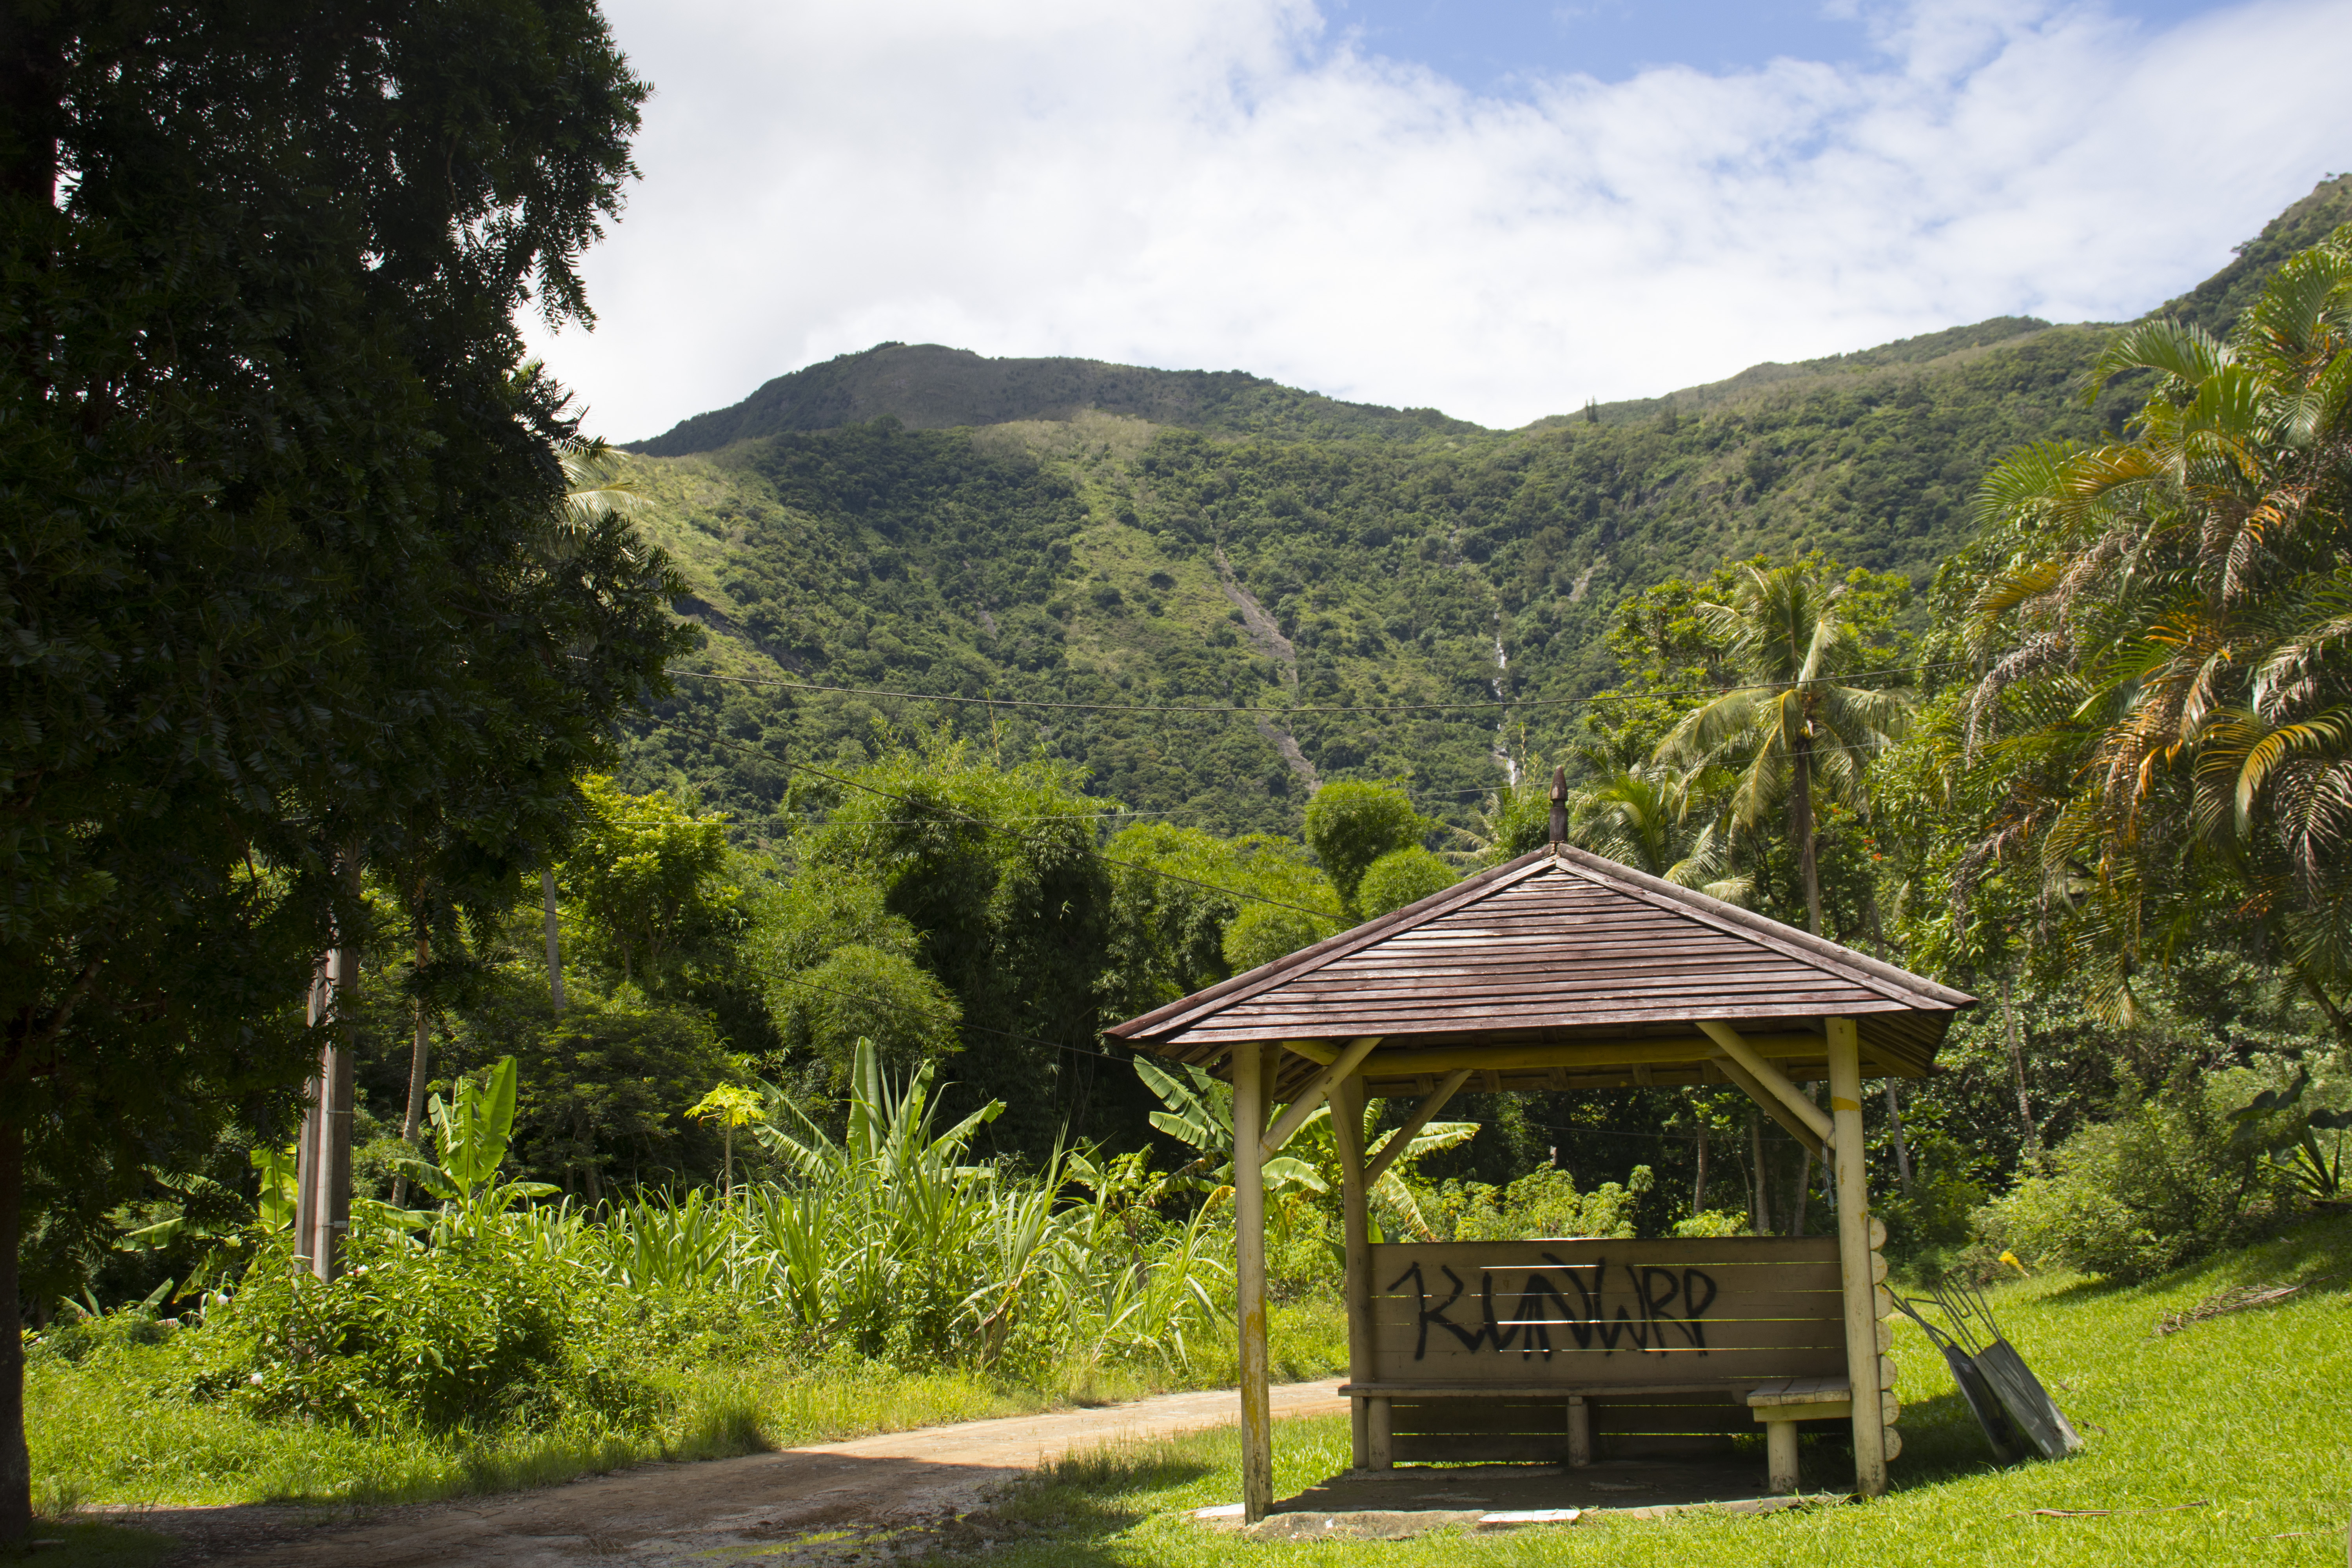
(1559, 947)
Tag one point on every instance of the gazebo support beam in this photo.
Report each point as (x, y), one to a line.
(1407, 1062)
(1854, 1267)
(1767, 1102)
(1299, 1109)
(1356, 1230)
(1252, 1074)
(1772, 1077)
(1405, 1136)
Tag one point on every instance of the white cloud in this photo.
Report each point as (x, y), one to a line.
(1216, 184)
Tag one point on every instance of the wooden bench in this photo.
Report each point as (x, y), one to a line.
(1779, 1406)
(1555, 1350)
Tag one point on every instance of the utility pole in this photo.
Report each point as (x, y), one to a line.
(420, 1062)
(322, 1211)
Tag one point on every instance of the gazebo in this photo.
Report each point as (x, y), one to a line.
(1563, 971)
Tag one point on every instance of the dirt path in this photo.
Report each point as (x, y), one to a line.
(762, 1507)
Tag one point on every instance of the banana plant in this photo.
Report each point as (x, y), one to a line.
(470, 1135)
(1314, 1143)
(2318, 1172)
(280, 1187)
(1195, 1115)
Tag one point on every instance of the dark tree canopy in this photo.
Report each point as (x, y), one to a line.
(286, 570)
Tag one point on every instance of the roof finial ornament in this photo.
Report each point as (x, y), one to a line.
(1558, 806)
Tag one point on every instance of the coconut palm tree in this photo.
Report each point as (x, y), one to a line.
(1667, 822)
(1796, 733)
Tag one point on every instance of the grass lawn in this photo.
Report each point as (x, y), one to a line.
(120, 1426)
(2250, 1414)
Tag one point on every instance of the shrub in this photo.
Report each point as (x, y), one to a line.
(2158, 1186)
(1543, 1203)
(1351, 825)
(1712, 1222)
(465, 1333)
(1400, 878)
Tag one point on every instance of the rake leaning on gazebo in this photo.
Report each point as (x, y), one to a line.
(1562, 971)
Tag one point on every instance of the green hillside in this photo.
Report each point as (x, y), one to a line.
(925, 520)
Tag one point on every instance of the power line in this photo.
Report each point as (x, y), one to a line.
(973, 1028)
(982, 822)
(1137, 865)
(1161, 708)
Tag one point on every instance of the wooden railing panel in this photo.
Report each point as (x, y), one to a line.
(1591, 1314)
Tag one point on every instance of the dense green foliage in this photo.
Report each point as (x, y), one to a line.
(1107, 553)
(881, 1248)
(1046, 695)
(287, 579)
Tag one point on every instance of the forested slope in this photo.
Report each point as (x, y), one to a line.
(1064, 531)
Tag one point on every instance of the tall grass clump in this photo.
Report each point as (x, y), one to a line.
(888, 1279)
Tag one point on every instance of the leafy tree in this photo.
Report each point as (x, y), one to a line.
(1264, 932)
(651, 877)
(1192, 910)
(1662, 821)
(1514, 819)
(1400, 878)
(1794, 727)
(862, 993)
(603, 1094)
(280, 518)
(995, 870)
(731, 1106)
(1349, 825)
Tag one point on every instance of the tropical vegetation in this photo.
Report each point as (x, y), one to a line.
(735, 847)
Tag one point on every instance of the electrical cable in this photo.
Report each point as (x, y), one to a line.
(985, 823)
(1263, 708)
(1137, 865)
(973, 1028)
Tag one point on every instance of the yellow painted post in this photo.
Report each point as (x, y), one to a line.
(1253, 1076)
(1854, 1257)
(1356, 1227)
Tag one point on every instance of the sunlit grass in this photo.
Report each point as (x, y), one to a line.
(121, 1427)
(2248, 1416)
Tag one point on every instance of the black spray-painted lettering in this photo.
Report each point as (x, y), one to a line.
(1640, 1319)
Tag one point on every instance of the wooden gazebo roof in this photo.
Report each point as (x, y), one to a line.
(1560, 970)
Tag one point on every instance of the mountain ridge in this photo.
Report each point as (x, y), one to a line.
(1381, 560)
(932, 386)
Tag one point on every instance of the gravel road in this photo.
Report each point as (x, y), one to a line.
(808, 1504)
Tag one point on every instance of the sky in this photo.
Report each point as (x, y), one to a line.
(1496, 209)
